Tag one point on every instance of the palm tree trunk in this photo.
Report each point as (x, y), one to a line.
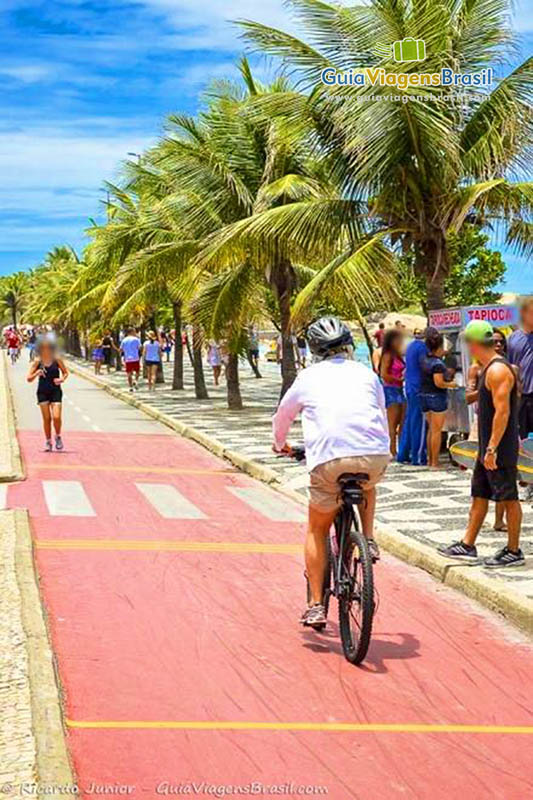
(160, 374)
(254, 367)
(198, 367)
(116, 339)
(177, 378)
(189, 350)
(232, 382)
(76, 345)
(431, 261)
(435, 292)
(288, 362)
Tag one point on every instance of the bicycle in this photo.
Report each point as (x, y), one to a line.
(349, 574)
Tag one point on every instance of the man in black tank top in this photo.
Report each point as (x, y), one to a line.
(495, 472)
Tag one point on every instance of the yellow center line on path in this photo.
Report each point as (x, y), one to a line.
(169, 545)
(331, 727)
(134, 468)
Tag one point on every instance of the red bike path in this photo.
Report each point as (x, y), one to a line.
(181, 657)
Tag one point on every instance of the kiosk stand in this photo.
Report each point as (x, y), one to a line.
(451, 322)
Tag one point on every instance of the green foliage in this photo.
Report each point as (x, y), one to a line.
(475, 269)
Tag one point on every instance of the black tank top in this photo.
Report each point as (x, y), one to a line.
(46, 381)
(508, 446)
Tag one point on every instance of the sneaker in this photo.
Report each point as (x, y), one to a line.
(48, 446)
(505, 558)
(314, 616)
(459, 551)
(59, 443)
(374, 549)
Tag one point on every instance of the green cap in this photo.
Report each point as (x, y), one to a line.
(479, 331)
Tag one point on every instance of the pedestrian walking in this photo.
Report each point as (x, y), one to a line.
(52, 373)
(391, 371)
(520, 347)
(152, 351)
(379, 335)
(32, 341)
(130, 349)
(301, 343)
(108, 345)
(166, 344)
(496, 469)
(413, 440)
(214, 359)
(253, 349)
(98, 356)
(434, 393)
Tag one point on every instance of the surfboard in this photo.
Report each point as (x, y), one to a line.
(464, 454)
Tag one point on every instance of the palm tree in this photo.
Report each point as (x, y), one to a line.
(247, 168)
(50, 299)
(418, 168)
(13, 290)
(130, 256)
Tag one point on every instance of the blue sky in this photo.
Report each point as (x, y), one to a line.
(87, 81)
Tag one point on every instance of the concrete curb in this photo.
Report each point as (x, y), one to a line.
(53, 764)
(11, 467)
(471, 581)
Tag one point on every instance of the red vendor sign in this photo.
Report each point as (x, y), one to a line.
(500, 316)
(445, 318)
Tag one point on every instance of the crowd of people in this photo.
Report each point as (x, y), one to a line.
(416, 381)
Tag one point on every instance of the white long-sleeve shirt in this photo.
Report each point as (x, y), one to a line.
(343, 412)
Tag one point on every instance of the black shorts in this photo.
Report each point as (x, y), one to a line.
(152, 363)
(107, 356)
(495, 484)
(54, 395)
(525, 415)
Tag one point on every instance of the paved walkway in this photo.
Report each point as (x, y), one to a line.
(17, 744)
(429, 507)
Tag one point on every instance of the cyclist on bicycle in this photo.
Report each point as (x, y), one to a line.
(345, 429)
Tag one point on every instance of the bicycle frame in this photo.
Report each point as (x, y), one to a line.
(343, 523)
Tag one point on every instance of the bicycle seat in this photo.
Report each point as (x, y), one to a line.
(350, 486)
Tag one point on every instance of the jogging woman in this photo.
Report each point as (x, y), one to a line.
(152, 359)
(51, 372)
(391, 370)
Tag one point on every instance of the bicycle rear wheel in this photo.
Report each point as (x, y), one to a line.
(356, 592)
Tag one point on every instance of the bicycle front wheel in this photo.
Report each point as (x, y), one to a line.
(356, 597)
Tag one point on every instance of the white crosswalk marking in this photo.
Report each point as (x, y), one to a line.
(168, 502)
(269, 504)
(3, 495)
(67, 499)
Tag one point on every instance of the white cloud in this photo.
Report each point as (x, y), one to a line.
(207, 24)
(39, 158)
(51, 181)
(28, 73)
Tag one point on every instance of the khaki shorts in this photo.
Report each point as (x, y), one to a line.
(324, 489)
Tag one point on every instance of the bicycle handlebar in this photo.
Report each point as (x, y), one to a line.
(297, 452)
